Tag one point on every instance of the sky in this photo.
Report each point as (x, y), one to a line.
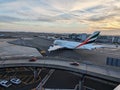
(61, 16)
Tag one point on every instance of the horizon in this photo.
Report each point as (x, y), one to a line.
(60, 16)
(101, 32)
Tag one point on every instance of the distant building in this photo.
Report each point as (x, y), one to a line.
(80, 37)
(116, 39)
(104, 39)
(2, 35)
(108, 39)
(100, 39)
(119, 40)
(73, 36)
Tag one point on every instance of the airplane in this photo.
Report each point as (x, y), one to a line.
(87, 44)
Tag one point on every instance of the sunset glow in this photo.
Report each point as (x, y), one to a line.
(62, 16)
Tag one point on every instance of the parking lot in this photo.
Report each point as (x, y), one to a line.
(24, 74)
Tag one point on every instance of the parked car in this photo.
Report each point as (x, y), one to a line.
(5, 83)
(74, 63)
(33, 59)
(15, 80)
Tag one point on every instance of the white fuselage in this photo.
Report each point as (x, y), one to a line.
(72, 44)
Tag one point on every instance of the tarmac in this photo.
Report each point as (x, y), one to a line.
(10, 51)
(96, 56)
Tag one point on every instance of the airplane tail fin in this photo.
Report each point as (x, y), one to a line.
(90, 39)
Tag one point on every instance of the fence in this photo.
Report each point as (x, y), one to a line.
(113, 61)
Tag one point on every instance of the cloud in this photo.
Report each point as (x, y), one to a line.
(59, 13)
(100, 17)
(8, 19)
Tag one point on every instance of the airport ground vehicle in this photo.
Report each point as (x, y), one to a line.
(15, 80)
(33, 59)
(43, 52)
(74, 63)
(5, 83)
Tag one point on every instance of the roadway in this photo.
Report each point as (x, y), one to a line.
(106, 73)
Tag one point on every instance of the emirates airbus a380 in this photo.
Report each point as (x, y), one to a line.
(87, 44)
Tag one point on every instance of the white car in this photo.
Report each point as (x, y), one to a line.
(15, 80)
(5, 83)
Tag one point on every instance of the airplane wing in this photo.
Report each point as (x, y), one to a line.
(65, 53)
(97, 46)
(54, 47)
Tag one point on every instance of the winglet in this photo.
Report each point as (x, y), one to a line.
(90, 39)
